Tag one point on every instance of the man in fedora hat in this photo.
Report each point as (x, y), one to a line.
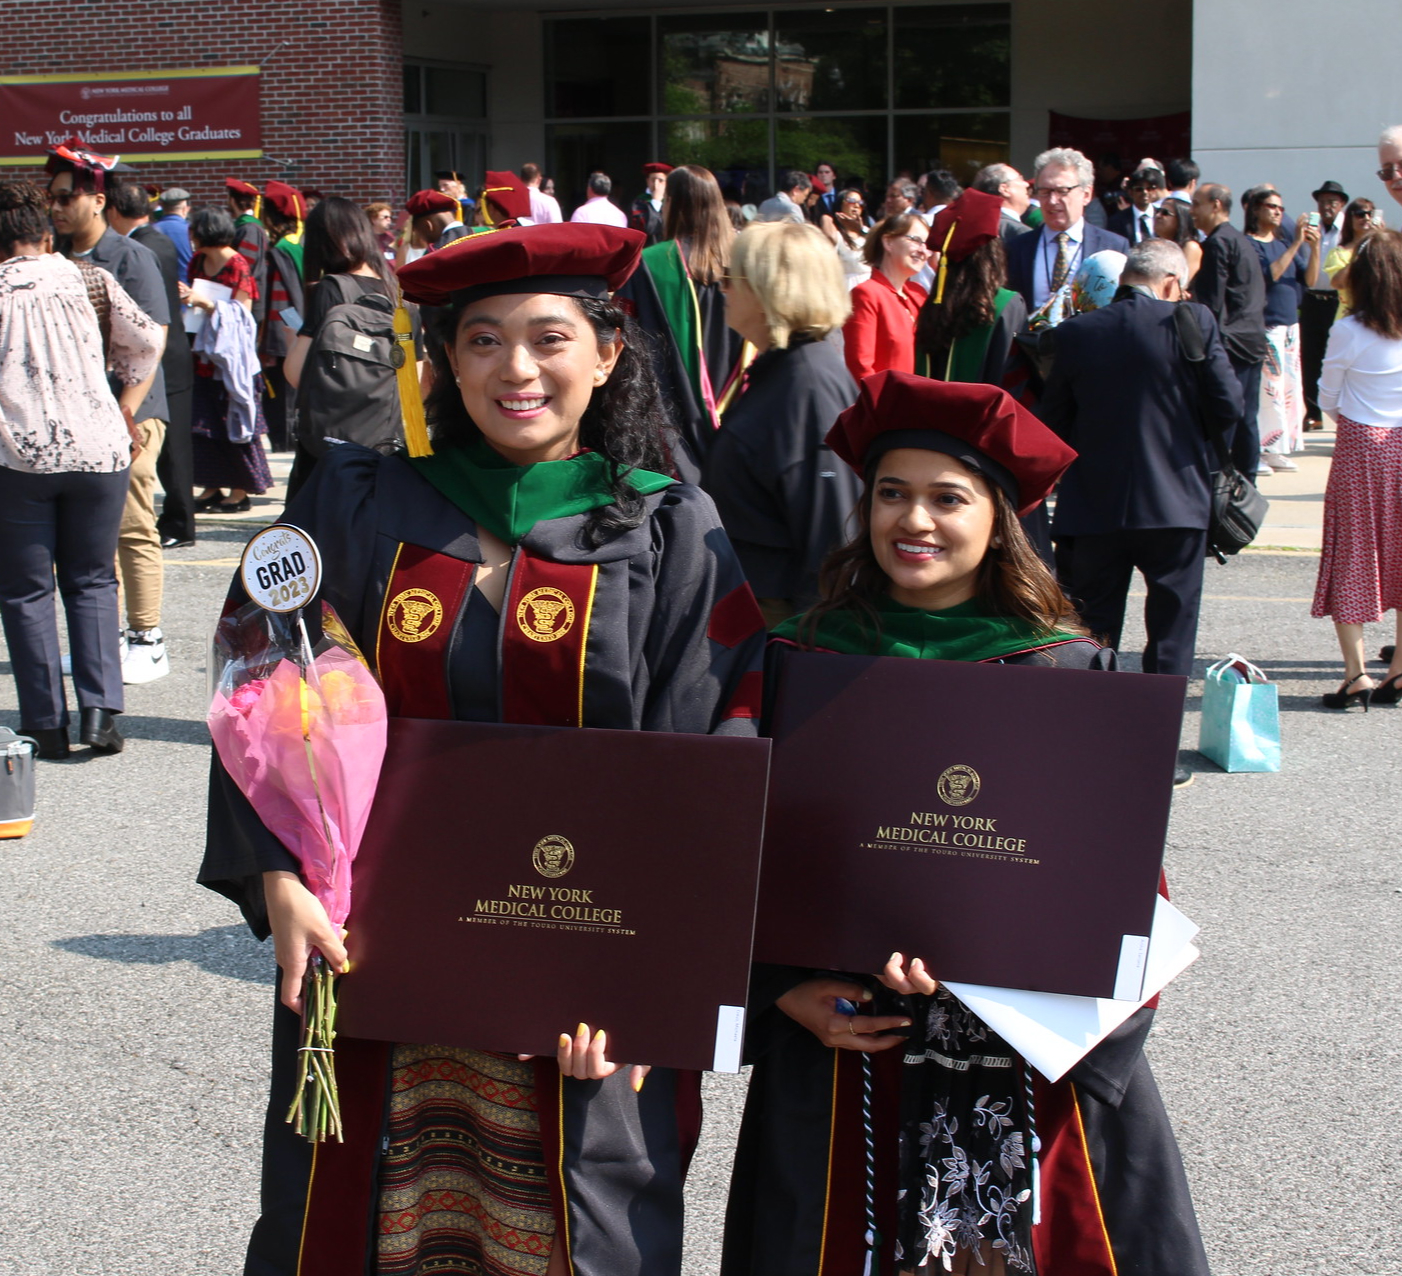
(1321, 302)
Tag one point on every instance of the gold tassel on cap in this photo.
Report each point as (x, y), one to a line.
(944, 261)
(411, 402)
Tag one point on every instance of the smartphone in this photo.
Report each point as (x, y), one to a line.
(1313, 219)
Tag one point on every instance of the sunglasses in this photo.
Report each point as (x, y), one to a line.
(1389, 172)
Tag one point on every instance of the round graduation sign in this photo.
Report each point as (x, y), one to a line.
(281, 568)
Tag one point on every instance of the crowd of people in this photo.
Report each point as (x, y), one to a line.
(950, 427)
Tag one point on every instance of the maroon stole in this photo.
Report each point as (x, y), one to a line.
(549, 607)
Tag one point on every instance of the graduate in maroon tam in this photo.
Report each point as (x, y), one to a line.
(245, 207)
(437, 218)
(940, 569)
(579, 584)
(506, 200)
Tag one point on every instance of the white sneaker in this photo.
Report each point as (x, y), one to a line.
(1278, 461)
(1263, 468)
(145, 658)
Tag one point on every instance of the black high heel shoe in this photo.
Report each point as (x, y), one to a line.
(1389, 692)
(1343, 697)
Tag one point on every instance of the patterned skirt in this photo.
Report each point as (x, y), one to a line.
(966, 1179)
(463, 1186)
(1282, 414)
(1360, 566)
(218, 461)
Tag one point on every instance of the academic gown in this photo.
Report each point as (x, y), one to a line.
(667, 637)
(1114, 1196)
(784, 497)
(695, 351)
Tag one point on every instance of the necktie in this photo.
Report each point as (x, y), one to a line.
(1144, 231)
(1063, 262)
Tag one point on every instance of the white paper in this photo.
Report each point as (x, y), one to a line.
(1054, 1032)
(291, 318)
(1129, 974)
(193, 316)
(730, 1038)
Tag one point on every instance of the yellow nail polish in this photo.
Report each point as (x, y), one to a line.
(565, 1040)
(582, 1030)
(599, 1036)
(638, 1084)
(905, 1023)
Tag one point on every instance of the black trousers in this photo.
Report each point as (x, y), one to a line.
(64, 524)
(1246, 438)
(279, 408)
(1171, 561)
(175, 467)
(1317, 312)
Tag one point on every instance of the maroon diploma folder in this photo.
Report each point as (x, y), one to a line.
(515, 881)
(1005, 823)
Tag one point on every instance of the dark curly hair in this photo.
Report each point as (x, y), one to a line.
(1012, 579)
(624, 422)
(970, 296)
(24, 215)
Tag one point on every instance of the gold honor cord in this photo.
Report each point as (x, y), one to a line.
(411, 402)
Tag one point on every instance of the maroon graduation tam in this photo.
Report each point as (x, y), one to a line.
(973, 220)
(508, 195)
(818, 185)
(572, 259)
(426, 203)
(657, 166)
(981, 426)
(286, 199)
(240, 188)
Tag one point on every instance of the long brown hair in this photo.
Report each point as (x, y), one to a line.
(1375, 280)
(1012, 579)
(1347, 235)
(970, 296)
(695, 212)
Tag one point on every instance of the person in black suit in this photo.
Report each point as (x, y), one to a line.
(827, 201)
(1136, 223)
(1039, 264)
(1230, 284)
(128, 213)
(1122, 393)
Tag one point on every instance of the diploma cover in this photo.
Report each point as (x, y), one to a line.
(515, 880)
(1005, 823)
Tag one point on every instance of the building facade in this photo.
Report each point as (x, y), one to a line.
(368, 98)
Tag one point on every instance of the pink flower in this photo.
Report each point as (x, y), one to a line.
(248, 695)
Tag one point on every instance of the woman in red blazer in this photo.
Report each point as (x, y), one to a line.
(880, 335)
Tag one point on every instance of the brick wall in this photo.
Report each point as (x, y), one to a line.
(331, 83)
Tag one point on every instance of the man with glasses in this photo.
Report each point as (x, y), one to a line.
(1321, 302)
(1231, 285)
(1147, 189)
(1390, 159)
(1039, 264)
(78, 185)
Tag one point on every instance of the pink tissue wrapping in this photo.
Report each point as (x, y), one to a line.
(259, 733)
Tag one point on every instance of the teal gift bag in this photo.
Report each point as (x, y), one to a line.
(1240, 727)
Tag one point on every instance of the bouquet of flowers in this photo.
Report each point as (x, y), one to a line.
(301, 730)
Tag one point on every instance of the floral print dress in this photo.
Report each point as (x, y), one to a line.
(964, 1141)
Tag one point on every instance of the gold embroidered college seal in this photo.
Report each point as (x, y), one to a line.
(414, 614)
(553, 856)
(958, 785)
(545, 614)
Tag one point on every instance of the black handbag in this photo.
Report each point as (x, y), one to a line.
(1238, 507)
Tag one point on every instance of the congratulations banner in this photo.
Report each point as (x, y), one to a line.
(206, 113)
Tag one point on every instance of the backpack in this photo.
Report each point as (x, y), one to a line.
(349, 390)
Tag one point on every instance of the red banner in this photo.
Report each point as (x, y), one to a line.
(137, 115)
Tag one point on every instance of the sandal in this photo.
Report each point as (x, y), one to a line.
(1343, 697)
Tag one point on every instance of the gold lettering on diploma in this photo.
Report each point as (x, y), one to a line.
(550, 907)
(940, 833)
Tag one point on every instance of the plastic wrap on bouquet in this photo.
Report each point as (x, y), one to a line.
(300, 728)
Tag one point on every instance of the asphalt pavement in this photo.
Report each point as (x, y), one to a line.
(135, 1006)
